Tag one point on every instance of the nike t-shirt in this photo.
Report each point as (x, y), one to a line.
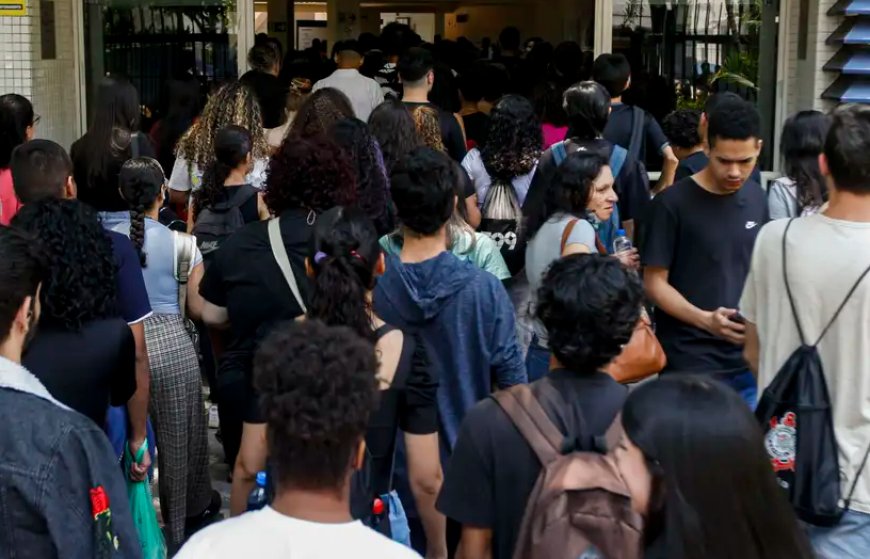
(705, 241)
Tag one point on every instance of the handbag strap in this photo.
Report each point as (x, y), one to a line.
(184, 244)
(566, 233)
(279, 251)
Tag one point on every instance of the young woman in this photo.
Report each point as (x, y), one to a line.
(112, 139)
(17, 125)
(186, 496)
(548, 107)
(580, 197)
(393, 127)
(802, 191)
(474, 121)
(709, 491)
(183, 104)
(344, 262)
(224, 182)
(372, 183)
(235, 104)
(247, 292)
(319, 113)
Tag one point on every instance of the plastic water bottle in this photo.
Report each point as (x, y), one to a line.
(621, 243)
(258, 497)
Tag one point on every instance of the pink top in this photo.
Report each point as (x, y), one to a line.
(9, 204)
(553, 134)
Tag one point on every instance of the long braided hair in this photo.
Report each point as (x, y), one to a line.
(235, 104)
(140, 181)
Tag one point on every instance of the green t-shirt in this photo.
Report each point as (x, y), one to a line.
(485, 253)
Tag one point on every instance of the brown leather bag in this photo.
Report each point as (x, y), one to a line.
(580, 505)
(643, 356)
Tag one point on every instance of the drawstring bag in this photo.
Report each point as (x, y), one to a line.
(142, 508)
(502, 218)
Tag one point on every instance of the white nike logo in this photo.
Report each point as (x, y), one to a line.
(750, 224)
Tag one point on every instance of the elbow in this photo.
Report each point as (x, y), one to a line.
(428, 485)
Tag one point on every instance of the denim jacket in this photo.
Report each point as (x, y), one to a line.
(61, 491)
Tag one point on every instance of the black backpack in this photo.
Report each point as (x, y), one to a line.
(795, 413)
(217, 222)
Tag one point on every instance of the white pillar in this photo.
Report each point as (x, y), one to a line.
(603, 26)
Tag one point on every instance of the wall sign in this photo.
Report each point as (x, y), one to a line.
(12, 9)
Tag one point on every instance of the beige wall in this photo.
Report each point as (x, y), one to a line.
(486, 21)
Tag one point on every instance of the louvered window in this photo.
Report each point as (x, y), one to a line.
(852, 61)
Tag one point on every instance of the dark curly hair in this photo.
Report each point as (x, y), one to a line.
(344, 253)
(312, 174)
(80, 286)
(232, 146)
(373, 186)
(320, 112)
(681, 128)
(513, 146)
(393, 126)
(589, 304)
(317, 390)
(16, 116)
(140, 182)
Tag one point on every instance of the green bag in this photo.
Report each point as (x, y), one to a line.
(142, 507)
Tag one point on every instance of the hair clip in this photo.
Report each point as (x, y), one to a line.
(320, 257)
(356, 255)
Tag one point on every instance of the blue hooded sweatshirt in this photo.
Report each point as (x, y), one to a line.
(466, 320)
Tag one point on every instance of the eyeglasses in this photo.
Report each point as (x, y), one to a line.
(36, 120)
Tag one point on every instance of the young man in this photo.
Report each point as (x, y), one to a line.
(700, 238)
(318, 387)
(416, 68)
(63, 494)
(826, 255)
(42, 169)
(493, 469)
(396, 38)
(271, 93)
(682, 130)
(614, 73)
(463, 314)
(364, 93)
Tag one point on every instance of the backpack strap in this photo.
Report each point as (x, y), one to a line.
(183, 257)
(279, 251)
(637, 121)
(617, 159)
(566, 234)
(559, 152)
(530, 419)
(134, 145)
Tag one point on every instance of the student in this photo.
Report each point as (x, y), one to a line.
(182, 108)
(344, 263)
(614, 73)
(730, 507)
(247, 293)
(701, 234)
(681, 129)
(17, 126)
(430, 291)
(826, 254)
(186, 497)
(364, 93)
(396, 38)
(493, 469)
(416, 70)
(474, 121)
(802, 191)
(318, 392)
(63, 492)
(41, 169)
(319, 113)
(262, 79)
(393, 127)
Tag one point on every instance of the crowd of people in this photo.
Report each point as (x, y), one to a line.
(420, 283)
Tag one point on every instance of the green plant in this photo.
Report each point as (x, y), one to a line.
(740, 68)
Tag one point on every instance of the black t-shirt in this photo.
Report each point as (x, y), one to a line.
(271, 94)
(245, 278)
(696, 162)
(101, 192)
(451, 132)
(705, 241)
(492, 471)
(618, 131)
(476, 128)
(86, 370)
(631, 185)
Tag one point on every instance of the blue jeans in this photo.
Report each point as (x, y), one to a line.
(850, 539)
(744, 384)
(537, 361)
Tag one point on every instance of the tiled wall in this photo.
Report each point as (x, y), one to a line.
(51, 85)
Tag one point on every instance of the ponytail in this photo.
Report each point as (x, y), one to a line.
(212, 189)
(340, 286)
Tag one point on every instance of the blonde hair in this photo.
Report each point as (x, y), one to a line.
(428, 127)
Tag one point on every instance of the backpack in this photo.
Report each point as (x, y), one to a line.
(580, 506)
(217, 222)
(795, 413)
(501, 220)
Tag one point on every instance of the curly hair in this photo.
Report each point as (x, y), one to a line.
(312, 174)
(317, 391)
(428, 127)
(80, 286)
(681, 128)
(514, 143)
(393, 126)
(373, 186)
(233, 103)
(232, 146)
(140, 182)
(589, 305)
(319, 113)
(344, 252)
